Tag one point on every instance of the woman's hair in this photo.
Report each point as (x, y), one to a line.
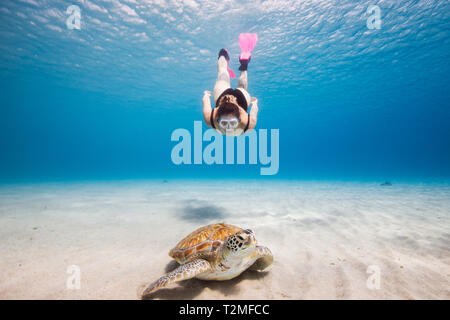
(228, 108)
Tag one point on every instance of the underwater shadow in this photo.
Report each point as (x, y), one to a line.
(200, 211)
(189, 289)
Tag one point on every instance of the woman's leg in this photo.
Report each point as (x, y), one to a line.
(243, 82)
(223, 78)
(242, 86)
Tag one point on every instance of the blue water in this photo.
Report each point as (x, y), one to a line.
(101, 102)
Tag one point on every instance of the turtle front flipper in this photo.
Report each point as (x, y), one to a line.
(264, 258)
(185, 271)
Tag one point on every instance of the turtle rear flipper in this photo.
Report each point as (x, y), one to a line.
(263, 260)
(185, 271)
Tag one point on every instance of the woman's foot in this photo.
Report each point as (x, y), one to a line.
(224, 53)
(244, 64)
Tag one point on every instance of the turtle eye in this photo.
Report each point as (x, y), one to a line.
(240, 238)
(248, 231)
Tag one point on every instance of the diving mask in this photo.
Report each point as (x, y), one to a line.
(228, 123)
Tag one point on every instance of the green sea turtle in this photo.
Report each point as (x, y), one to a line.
(214, 252)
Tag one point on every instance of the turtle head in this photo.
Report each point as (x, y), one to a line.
(241, 243)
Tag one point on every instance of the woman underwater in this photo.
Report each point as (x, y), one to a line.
(231, 116)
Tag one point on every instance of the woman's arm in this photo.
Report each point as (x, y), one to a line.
(253, 114)
(207, 107)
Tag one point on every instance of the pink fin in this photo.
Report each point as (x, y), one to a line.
(247, 42)
(230, 72)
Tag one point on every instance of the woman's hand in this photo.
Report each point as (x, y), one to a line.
(207, 93)
(254, 100)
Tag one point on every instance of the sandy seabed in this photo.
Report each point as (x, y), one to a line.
(326, 237)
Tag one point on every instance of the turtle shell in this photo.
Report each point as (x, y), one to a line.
(204, 240)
